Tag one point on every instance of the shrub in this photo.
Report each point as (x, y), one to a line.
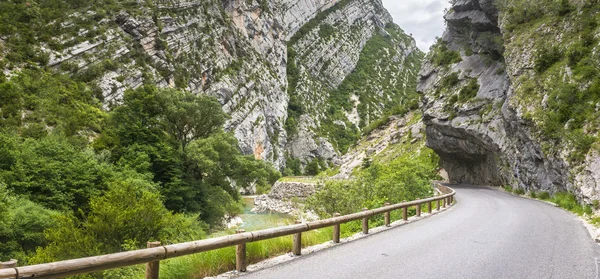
(546, 57)
(469, 91)
(450, 80)
(442, 56)
(326, 31)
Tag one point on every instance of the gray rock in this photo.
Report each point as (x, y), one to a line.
(483, 141)
(288, 190)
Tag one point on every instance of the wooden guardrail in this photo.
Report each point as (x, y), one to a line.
(154, 253)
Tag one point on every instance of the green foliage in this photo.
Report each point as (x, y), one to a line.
(214, 162)
(212, 263)
(128, 215)
(295, 108)
(35, 101)
(569, 202)
(189, 155)
(22, 226)
(52, 172)
(469, 91)
(162, 150)
(450, 80)
(546, 57)
(293, 166)
(371, 111)
(314, 167)
(441, 55)
(518, 12)
(543, 195)
(316, 21)
(519, 191)
(508, 188)
(326, 31)
(404, 178)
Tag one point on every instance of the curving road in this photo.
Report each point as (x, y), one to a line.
(487, 234)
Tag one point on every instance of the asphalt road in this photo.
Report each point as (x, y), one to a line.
(487, 234)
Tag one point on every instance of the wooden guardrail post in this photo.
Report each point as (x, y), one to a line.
(152, 268)
(240, 255)
(429, 207)
(387, 215)
(405, 213)
(418, 206)
(438, 205)
(336, 230)
(365, 223)
(297, 245)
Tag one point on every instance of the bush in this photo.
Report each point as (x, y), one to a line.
(326, 31)
(546, 57)
(469, 91)
(450, 80)
(404, 178)
(442, 56)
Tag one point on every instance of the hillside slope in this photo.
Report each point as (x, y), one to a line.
(234, 50)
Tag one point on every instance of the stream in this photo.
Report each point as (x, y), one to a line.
(256, 221)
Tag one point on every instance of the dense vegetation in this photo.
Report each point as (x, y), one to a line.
(565, 84)
(77, 181)
(405, 177)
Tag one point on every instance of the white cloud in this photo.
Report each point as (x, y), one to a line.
(421, 18)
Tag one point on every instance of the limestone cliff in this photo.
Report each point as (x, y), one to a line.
(500, 89)
(346, 68)
(237, 51)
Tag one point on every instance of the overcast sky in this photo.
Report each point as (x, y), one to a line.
(421, 18)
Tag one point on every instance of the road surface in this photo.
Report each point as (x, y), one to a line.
(487, 234)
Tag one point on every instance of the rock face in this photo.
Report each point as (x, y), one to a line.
(237, 51)
(406, 130)
(288, 190)
(472, 107)
(280, 200)
(353, 64)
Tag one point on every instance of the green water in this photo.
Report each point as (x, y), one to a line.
(256, 221)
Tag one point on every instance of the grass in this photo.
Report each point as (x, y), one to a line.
(565, 200)
(215, 262)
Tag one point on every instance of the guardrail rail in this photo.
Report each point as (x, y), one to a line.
(155, 252)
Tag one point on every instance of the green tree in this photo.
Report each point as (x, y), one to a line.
(52, 172)
(128, 215)
(189, 117)
(22, 225)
